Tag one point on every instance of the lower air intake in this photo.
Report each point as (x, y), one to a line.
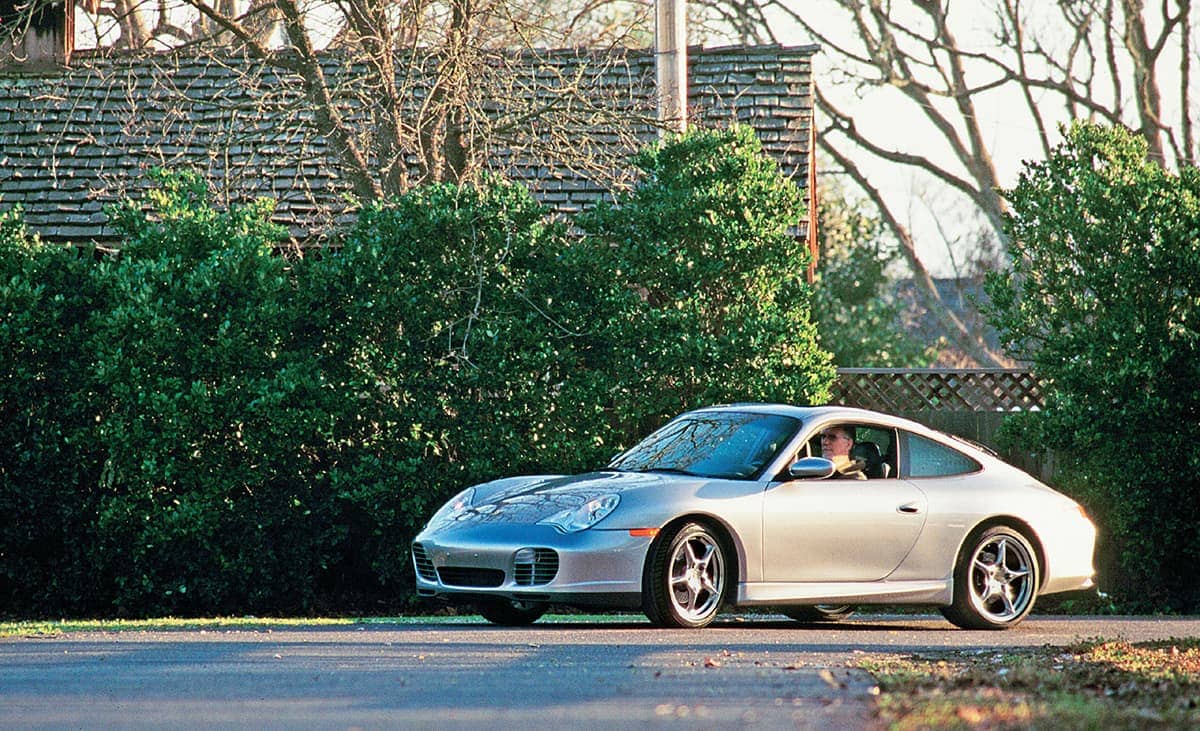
(535, 570)
(471, 577)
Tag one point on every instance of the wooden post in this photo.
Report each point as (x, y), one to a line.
(47, 41)
(814, 246)
(670, 61)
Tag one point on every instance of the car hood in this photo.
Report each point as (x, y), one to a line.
(526, 500)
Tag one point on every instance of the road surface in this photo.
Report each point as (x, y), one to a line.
(756, 672)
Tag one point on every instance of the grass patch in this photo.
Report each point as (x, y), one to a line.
(166, 624)
(48, 628)
(1095, 684)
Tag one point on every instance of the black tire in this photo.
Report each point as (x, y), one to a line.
(996, 580)
(685, 580)
(819, 612)
(511, 613)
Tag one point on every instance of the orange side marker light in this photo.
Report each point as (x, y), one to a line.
(643, 532)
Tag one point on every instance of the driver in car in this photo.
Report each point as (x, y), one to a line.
(836, 443)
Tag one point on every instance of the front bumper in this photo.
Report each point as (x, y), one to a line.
(599, 568)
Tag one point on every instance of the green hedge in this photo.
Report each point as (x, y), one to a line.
(711, 301)
(202, 426)
(1104, 298)
(51, 455)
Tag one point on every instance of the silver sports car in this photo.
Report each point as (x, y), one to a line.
(808, 510)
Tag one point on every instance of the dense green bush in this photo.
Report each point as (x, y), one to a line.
(432, 324)
(50, 457)
(212, 493)
(1104, 298)
(704, 282)
(204, 426)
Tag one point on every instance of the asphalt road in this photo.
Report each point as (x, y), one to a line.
(742, 672)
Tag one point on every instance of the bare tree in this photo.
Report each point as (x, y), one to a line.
(944, 63)
(411, 91)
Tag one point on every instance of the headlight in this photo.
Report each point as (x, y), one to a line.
(451, 510)
(573, 520)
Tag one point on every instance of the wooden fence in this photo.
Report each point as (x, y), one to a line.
(938, 389)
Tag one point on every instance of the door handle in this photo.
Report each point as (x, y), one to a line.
(909, 509)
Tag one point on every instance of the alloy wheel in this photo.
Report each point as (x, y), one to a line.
(1002, 578)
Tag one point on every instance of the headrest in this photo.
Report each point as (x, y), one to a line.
(868, 451)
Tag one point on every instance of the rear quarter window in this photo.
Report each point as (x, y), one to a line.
(927, 458)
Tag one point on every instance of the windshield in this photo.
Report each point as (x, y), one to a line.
(723, 444)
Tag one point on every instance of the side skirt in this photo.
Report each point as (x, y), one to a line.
(868, 592)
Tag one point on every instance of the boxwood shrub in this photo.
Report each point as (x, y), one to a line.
(201, 425)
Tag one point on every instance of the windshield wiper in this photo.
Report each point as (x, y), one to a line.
(669, 470)
(674, 471)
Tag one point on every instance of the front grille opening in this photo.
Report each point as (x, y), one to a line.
(535, 566)
(470, 576)
(423, 565)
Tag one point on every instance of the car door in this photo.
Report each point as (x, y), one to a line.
(840, 530)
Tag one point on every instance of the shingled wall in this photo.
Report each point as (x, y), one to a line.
(73, 140)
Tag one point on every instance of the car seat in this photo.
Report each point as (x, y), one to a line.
(868, 454)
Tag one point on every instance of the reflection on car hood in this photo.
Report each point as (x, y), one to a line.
(526, 500)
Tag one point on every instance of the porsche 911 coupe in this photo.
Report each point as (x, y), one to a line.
(756, 505)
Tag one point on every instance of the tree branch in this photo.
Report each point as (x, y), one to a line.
(927, 292)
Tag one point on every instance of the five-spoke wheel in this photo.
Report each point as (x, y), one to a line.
(995, 580)
(684, 584)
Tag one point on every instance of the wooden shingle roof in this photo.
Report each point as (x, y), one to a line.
(74, 140)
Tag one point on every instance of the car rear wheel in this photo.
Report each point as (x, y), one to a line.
(511, 613)
(684, 584)
(819, 612)
(995, 580)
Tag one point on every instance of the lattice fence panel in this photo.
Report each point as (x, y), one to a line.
(936, 389)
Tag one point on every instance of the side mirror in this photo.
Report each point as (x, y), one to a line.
(811, 468)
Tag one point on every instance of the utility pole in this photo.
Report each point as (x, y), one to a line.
(670, 61)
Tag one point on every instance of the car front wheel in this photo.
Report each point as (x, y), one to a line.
(684, 583)
(511, 613)
(995, 580)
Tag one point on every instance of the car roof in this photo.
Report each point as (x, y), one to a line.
(809, 414)
(804, 412)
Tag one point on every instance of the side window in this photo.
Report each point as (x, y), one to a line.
(927, 458)
(874, 448)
